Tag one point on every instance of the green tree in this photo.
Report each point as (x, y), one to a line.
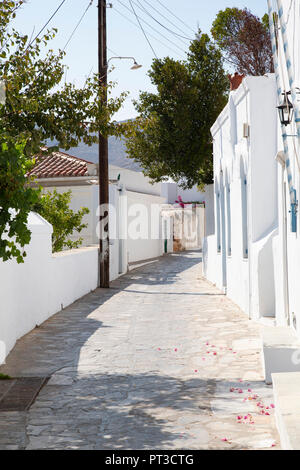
(244, 40)
(171, 136)
(55, 208)
(39, 107)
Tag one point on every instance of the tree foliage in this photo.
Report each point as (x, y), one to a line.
(244, 40)
(38, 107)
(172, 133)
(55, 208)
(16, 200)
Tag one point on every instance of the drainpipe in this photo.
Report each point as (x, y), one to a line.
(293, 194)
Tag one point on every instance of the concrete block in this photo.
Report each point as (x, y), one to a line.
(281, 351)
(287, 408)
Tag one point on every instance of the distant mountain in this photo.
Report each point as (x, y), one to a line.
(116, 154)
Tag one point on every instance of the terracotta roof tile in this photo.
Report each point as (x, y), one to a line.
(59, 164)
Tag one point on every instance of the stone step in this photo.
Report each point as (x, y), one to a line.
(281, 351)
(287, 407)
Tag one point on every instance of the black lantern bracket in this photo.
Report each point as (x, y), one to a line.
(286, 110)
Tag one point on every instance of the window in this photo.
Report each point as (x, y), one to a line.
(218, 222)
(228, 203)
(244, 191)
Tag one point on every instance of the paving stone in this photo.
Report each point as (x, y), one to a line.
(130, 369)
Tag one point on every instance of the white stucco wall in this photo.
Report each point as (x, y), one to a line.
(286, 246)
(238, 249)
(32, 292)
(135, 181)
(145, 246)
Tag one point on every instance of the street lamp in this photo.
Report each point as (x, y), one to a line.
(286, 110)
(135, 64)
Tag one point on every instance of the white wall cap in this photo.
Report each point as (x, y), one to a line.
(220, 120)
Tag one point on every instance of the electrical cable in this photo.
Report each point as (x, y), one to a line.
(78, 24)
(152, 28)
(165, 17)
(162, 25)
(181, 21)
(46, 24)
(149, 34)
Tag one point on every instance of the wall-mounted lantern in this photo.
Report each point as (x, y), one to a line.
(286, 110)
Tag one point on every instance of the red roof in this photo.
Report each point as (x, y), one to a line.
(59, 164)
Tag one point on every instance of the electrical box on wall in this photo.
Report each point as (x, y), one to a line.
(246, 130)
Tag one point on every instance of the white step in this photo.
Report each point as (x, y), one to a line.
(281, 351)
(287, 408)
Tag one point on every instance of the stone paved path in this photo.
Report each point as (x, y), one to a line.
(130, 369)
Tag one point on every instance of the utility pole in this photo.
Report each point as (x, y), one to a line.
(103, 154)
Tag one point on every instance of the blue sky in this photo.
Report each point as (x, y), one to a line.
(124, 38)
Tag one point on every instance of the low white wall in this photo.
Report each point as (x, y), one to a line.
(32, 292)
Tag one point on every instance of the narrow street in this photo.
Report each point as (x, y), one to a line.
(163, 360)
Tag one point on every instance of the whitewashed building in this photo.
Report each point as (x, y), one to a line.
(282, 344)
(135, 203)
(287, 260)
(252, 244)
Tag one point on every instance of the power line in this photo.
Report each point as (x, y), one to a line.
(149, 34)
(162, 25)
(46, 24)
(179, 19)
(165, 17)
(78, 24)
(141, 26)
(113, 52)
(152, 28)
